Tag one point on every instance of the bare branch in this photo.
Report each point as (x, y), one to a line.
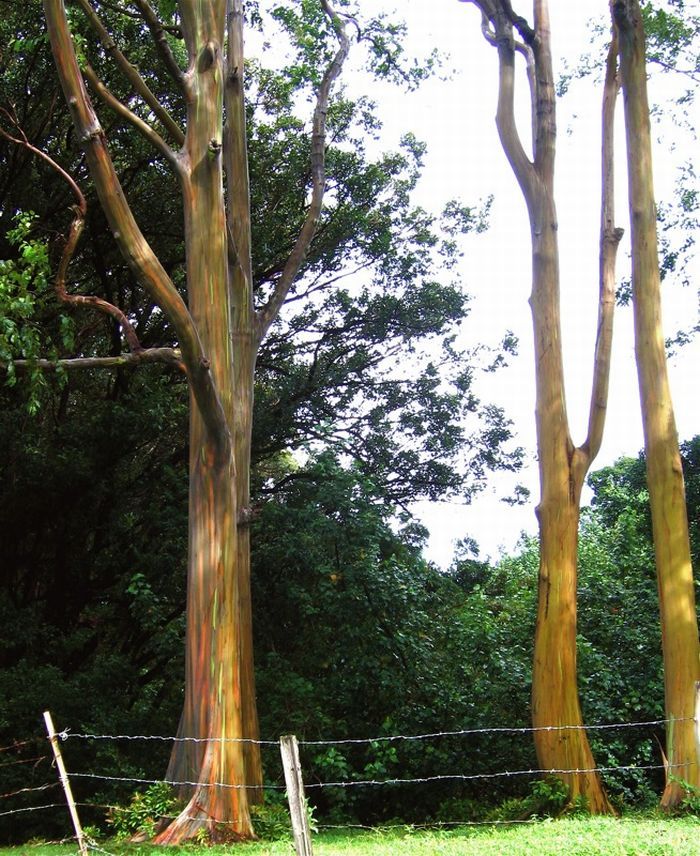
(158, 31)
(236, 166)
(546, 128)
(487, 30)
(74, 233)
(527, 34)
(497, 28)
(521, 165)
(318, 156)
(169, 356)
(610, 237)
(115, 7)
(135, 121)
(530, 69)
(131, 73)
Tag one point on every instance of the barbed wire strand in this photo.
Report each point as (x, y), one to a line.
(173, 783)
(374, 782)
(30, 790)
(437, 825)
(466, 777)
(187, 817)
(32, 808)
(16, 745)
(24, 761)
(425, 825)
(499, 730)
(66, 734)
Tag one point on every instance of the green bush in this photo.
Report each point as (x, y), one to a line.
(144, 811)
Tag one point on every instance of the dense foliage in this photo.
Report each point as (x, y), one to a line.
(356, 635)
(363, 404)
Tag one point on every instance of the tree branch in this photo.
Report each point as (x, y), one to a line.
(610, 237)
(318, 155)
(135, 121)
(531, 71)
(497, 20)
(158, 31)
(527, 34)
(546, 129)
(74, 233)
(131, 73)
(115, 7)
(169, 356)
(521, 165)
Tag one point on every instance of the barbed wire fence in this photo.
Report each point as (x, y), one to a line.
(292, 771)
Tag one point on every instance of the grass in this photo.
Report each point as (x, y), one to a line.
(575, 836)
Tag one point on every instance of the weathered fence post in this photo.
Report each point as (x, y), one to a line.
(697, 722)
(63, 775)
(289, 749)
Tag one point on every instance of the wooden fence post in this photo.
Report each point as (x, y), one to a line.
(63, 775)
(697, 722)
(289, 749)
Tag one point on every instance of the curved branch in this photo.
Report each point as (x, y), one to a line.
(318, 163)
(158, 31)
(610, 237)
(487, 30)
(497, 20)
(135, 121)
(527, 34)
(74, 233)
(131, 73)
(115, 7)
(521, 165)
(531, 71)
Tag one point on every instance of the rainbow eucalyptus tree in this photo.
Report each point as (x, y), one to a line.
(562, 465)
(219, 332)
(679, 623)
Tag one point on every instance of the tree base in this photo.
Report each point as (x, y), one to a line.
(196, 823)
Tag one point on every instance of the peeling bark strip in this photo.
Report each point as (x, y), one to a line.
(563, 467)
(679, 624)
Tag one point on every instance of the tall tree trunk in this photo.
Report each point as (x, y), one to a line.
(218, 801)
(245, 347)
(213, 691)
(679, 625)
(560, 739)
(555, 700)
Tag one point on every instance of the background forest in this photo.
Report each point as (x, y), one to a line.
(365, 402)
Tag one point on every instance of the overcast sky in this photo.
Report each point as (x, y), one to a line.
(456, 119)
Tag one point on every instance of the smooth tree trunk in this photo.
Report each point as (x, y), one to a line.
(679, 625)
(213, 690)
(560, 738)
(243, 343)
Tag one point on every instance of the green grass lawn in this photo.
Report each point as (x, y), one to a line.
(579, 836)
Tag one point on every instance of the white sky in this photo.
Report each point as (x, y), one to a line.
(465, 161)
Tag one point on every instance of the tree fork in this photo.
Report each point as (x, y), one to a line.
(563, 467)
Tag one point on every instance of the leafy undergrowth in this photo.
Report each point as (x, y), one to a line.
(576, 836)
